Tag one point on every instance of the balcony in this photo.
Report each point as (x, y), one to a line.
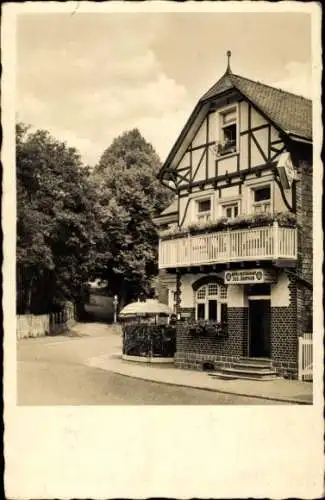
(258, 244)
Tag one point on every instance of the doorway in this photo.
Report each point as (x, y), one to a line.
(259, 328)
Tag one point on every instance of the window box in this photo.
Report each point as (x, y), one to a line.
(204, 328)
(226, 148)
(284, 219)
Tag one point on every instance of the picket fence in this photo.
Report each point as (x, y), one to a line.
(305, 357)
(38, 325)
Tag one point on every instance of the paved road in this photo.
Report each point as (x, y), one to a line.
(52, 371)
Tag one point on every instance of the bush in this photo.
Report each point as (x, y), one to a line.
(149, 340)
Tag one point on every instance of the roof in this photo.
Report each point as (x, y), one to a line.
(290, 112)
(171, 209)
(169, 215)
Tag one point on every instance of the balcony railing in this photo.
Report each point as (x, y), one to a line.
(262, 243)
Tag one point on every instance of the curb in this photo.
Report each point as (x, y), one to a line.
(210, 389)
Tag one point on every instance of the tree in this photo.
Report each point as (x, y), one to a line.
(130, 196)
(57, 222)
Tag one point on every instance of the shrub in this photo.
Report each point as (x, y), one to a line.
(149, 340)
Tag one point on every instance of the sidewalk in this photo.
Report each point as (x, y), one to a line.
(290, 391)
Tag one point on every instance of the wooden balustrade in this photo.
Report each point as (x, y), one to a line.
(260, 243)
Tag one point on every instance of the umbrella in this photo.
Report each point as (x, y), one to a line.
(150, 306)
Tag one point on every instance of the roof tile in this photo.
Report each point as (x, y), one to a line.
(290, 112)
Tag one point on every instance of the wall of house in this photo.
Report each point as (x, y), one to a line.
(304, 212)
(284, 341)
(203, 162)
(203, 159)
(187, 205)
(166, 288)
(193, 351)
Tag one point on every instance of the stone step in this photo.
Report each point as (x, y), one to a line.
(255, 365)
(242, 376)
(249, 371)
(252, 361)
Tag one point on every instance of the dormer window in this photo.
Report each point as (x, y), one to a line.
(228, 133)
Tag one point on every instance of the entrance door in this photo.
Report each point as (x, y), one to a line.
(259, 328)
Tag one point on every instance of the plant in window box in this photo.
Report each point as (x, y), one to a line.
(207, 327)
(286, 219)
(196, 328)
(213, 225)
(216, 328)
(227, 147)
(257, 220)
(174, 232)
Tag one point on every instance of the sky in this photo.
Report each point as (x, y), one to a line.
(89, 77)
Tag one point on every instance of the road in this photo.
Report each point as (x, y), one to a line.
(52, 371)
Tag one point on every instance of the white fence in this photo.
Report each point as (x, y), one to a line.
(305, 357)
(38, 325)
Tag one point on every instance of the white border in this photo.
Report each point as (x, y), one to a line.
(136, 452)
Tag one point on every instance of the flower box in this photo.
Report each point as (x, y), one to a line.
(284, 219)
(203, 328)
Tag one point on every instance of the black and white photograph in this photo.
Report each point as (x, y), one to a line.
(165, 169)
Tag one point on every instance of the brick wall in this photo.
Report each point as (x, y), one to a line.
(238, 330)
(304, 211)
(193, 351)
(284, 341)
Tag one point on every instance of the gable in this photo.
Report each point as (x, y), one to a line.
(285, 111)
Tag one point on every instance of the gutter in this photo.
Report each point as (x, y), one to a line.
(298, 138)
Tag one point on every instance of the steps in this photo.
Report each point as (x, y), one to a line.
(247, 369)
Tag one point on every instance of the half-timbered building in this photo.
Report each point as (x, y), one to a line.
(235, 247)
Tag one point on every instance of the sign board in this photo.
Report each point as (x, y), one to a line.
(249, 276)
(286, 170)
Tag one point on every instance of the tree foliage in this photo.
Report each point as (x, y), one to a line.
(56, 222)
(75, 224)
(130, 196)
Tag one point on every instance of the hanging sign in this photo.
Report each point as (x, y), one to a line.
(286, 170)
(249, 276)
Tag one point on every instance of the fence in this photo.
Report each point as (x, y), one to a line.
(305, 357)
(32, 325)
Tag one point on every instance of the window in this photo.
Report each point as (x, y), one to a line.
(211, 302)
(228, 131)
(203, 209)
(230, 210)
(262, 200)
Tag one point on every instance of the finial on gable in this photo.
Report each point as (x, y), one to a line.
(228, 66)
